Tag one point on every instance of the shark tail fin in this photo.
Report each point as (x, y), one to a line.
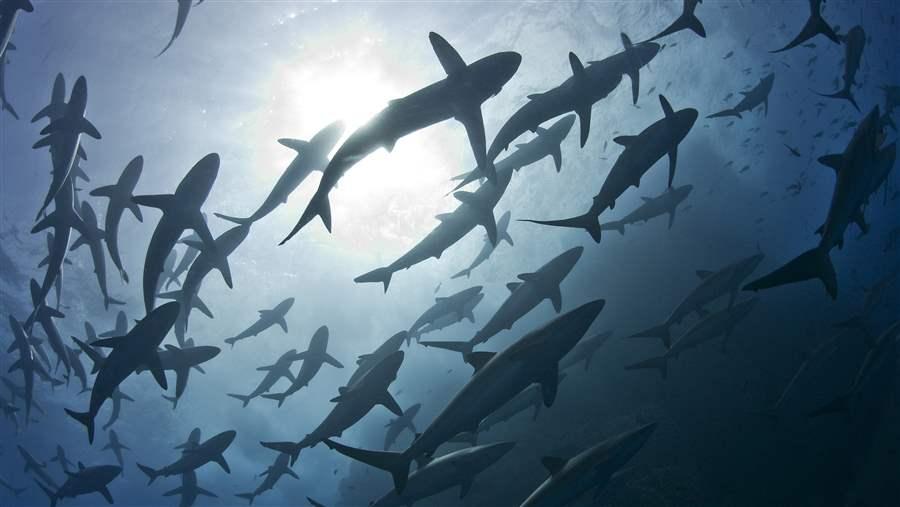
(839, 405)
(588, 222)
(231, 341)
(237, 220)
(690, 21)
(291, 448)
(395, 463)
(279, 397)
(151, 473)
(725, 113)
(660, 363)
(245, 400)
(661, 331)
(814, 263)
(845, 94)
(86, 419)
(8, 107)
(51, 495)
(246, 496)
(318, 206)
(382, 275)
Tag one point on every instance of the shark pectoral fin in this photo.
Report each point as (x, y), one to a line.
(159, 201)
(555, 297)
(859, 218)
(465, 487)
(673, 159)
(666, 107)
(672, 217)
(78, 243)
(332, 361)
(292, 473)
(624, 140)
(205, 492)
(220, 460)
(549, 385)
(390, 403)
(553, 464)
(106, 495)
(155, 366)
(181, 378)
(557, 157)
(220, 261)
(109, 343)
(200, 305)
(88, 128)
(449, 58)
(294, 144)
(471, 118)
(282, 324)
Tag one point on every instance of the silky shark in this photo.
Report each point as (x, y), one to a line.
(578, 94)
(585, 351)
(184, 263)
(37, 468)
(120, 198)
(267, 319)
(641, 152)
(184, 8)
(545, 144)
(488, 248)
(458, 96)
(476, 208)
(351, 405)
(366, 362)
(44, 316)
(189, 490)
(83, 482)
(63, 136)
(272, 474)
(60, 457)
(815, 25)
(188, 296)
(135, 349)
(664, 204)
(181, 211)
(524, 296)
(211, 451)
(181, 360)
(459, 468)
(26, 362)
(116, 447)
(855, 169)
(715, 284)
(311, 156)
(454, 304)
(402, 422)
(93, 236)
(854, 43)
(117, 398)
(686, 21)
(450, 319)
(313, 359)
(77, 368)
(9, 11)
(4, 102)
(168, 275)
(532, 397)
(591, 469)
(714, 325)
(758, 95)
(498, 378)
(274, 373)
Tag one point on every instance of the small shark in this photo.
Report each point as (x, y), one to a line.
(267, 319)
(120, 198)
(86, 480)
(758, 95)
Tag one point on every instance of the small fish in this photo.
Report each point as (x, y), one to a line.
(728, 55)
(744, 169)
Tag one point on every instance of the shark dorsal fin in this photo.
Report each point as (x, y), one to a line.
(513, 286)
(666, 107)
(449, 58)
(553, 464)
(577, 68)
(834, 161)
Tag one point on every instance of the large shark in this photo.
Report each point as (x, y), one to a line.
(714, 284)
(498, 378)
(489, 247)
(664, 204)
(854, 43)
(366, 362)
(589, 470)
(717, 324)
(181, 211)
(454, 304)
(9, 12)
(458, 96)
(476, 208)
(311, 156)
(402, 422)
(351, 405)
(267, 319)
(641, 152)
(85, 481)
(313, 358)
(524, 296)
(450, 319)
(120, 198)
(211, 451)
(272, 474)
(815, 25)
(274, 372)
(855, 169)
(129, 352)
(758, 95)
(578, 93)
(686, 21)
(459, 468)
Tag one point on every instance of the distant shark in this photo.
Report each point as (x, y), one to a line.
(854, 43)
(664, 204)
(120, 198)
(757, 96)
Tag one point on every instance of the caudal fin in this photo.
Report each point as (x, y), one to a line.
(845, 94)
(811, 264)
(395, 463)
(279, 397)
(86, 419)
(660, 363)
(151, 473)
(588, 222)
(382, 275)
(661, 331)
(245, 400)
(318, 207)
(290, 448)
(239, 221)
